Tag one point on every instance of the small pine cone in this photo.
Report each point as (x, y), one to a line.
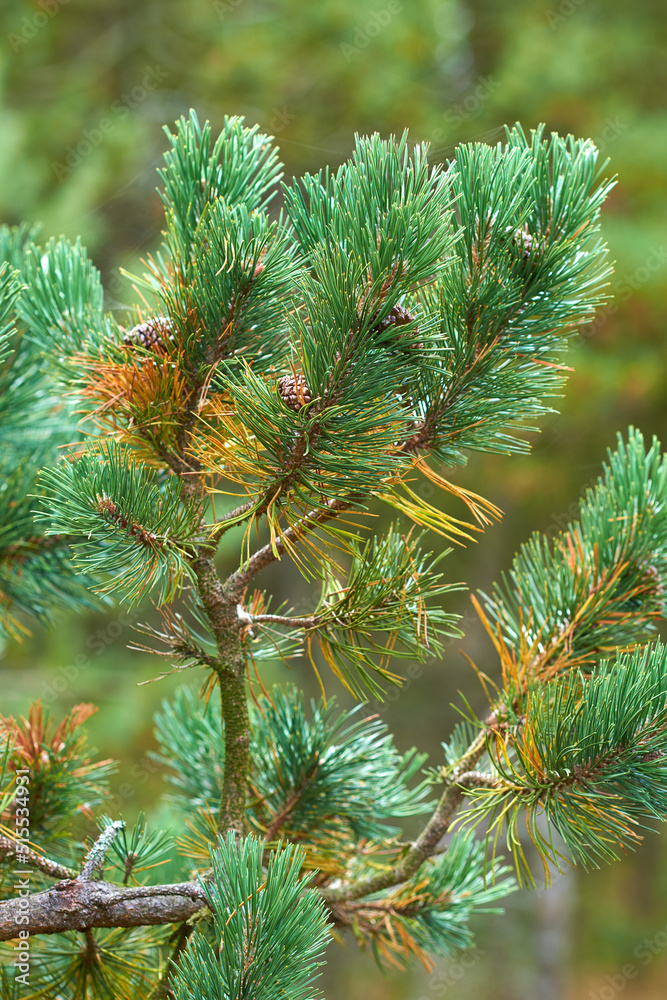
(259, 266)
(153, 333)
(651, 579)
(397, 316)
(525, 243)
(294, 392)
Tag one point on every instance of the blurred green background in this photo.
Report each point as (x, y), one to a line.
(86, 88)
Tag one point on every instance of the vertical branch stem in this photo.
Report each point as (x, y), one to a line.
(221, 609)
(234, 705)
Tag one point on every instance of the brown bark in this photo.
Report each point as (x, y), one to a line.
(75, 905)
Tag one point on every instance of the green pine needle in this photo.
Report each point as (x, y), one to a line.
(241, 167)
(270, 928)
(134, 533)
(587, 767)
(599, 584)
(332, 768)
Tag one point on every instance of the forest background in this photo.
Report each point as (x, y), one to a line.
(85, 87)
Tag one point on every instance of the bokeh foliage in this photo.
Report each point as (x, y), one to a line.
(450, 71)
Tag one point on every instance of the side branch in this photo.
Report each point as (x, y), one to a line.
(421, 850)
(96, 857)
(287, 620)
(269, 553)
(76, 905)
(26, 857)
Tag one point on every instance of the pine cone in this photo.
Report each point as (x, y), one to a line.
(294, 392)
(153, 333)
(651, 579)
(399, 316)
(525, 243)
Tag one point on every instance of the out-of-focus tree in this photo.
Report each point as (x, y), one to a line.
(312, 74)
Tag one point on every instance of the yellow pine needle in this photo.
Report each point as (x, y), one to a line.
(425, 514)
(483, 678)
(197, 846)
(328, 656)
(478, 505)
(272, 522)
(309, 653)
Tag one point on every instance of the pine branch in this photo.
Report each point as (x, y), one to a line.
(63, 780)
(423, 848)
(230, 520)
(598, 777)
(76, 904)
(136, 850)
(29, 858)
(222, 612)
(183, 643)
(263, 557)
(386, 608)
(428, 915)
(325, 770)
(133, 530)
(528, 268)
(402, 316)
(240, 166)
(96, 857)
(63, 306)
(270, 924)
(595, 587)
